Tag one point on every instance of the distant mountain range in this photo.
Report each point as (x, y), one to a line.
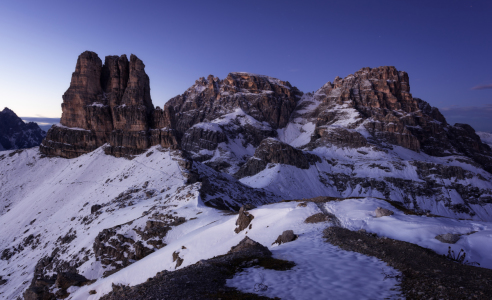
(43, 123)
(16, 134)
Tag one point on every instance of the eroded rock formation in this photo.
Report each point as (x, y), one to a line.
(378, 102)
(107, 103)
(111, 103)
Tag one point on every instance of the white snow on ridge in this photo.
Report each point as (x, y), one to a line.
(242, 118)
(476, 236)
(212, 233)
(50, 196)
(486, 137)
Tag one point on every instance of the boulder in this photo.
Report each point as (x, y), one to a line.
(177, 259)
(243, 220)
(317, 218)
(65, 280)
(95, 208)
(250, 247)
(448, 238)
(285, 237)
(383, 212)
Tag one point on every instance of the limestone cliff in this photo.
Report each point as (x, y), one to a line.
(107, 103)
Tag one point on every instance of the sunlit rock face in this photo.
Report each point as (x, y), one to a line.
(107, 103)
(110, 103)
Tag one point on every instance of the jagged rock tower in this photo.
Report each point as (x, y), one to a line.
(107, 103)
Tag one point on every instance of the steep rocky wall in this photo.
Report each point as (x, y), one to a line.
(384, 107)
(264, 98)
(107, 103)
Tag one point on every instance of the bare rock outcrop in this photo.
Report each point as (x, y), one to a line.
(448, 238)
(285, 237)
(383, 212)
(64, 280)
(250, 248)
(243, 220)
(274, 151)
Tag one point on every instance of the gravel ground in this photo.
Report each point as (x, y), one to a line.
(203, 280)
(425, 274)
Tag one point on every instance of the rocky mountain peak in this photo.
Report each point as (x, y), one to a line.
(264, 98)
(377, 88)
(107, 103)
(375, 106)
(111, 103)
(15, 134)
(8, 111)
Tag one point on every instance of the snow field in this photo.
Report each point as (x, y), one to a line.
(356, 214)
(212, 234)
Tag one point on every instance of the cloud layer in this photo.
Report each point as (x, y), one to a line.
(482, 87)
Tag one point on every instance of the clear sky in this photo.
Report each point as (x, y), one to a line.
(445, 46)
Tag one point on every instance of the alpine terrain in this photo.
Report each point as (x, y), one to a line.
(246, 188)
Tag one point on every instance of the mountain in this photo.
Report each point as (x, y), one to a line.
(121, 190)
(15, 134)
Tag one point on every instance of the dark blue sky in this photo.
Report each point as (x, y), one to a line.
(445, 46)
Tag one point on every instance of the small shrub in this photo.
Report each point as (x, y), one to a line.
(460, 257)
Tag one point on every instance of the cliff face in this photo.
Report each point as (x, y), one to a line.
(375, 106)
(107, 103)
(111, 103)
(264, 98)
(15, 134)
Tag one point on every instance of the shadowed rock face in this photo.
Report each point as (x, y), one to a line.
(264, 98)
(379, 101)
(274, 151)
(111, 103)
(107, 103)
(15, 134)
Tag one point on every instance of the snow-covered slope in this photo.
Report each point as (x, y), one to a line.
(392, 174)
(486, 137)
(54, 223)
(48, 205)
